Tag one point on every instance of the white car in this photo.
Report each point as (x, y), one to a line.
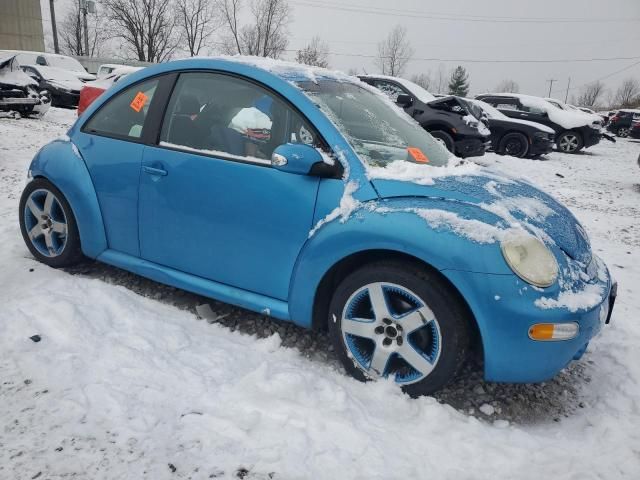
(55, 60)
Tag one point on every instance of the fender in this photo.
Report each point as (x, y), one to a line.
(60, 162)
(371, 228)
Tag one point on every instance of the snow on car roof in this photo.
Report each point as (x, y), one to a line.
(496, 114)
(565, 118)
(423, 95)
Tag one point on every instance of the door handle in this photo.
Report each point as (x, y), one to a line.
(154, 171)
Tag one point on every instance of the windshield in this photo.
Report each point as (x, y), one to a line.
(67, 63)
(379, 132)
(56, 74)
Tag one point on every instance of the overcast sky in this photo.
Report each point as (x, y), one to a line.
(464, 30)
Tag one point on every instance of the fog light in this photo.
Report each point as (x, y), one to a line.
(553, 331)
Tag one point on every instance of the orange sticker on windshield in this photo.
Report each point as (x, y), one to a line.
(138, 101)
(417, 155)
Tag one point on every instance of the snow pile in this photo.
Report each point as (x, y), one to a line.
(421, 174)
(474, 230)
(475, 123)
(572, 300)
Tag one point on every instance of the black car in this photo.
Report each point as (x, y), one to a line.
(573, 130)
(511, 136)
(620, 123)
(19, 94)
(448, 118)
(63, 86)
(634, 131)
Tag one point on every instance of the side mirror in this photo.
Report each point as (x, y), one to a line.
(302, 159)
(404, 100)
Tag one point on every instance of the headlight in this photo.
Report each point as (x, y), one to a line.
(530, 259)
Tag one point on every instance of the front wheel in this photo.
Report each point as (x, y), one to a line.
(48, 226)
(444, 138)
(396, 320)
(623, 132)
(514, 144)
(570, 142)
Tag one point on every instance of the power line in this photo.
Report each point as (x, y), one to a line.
(475, 60)
(451, 17)
(609, 75)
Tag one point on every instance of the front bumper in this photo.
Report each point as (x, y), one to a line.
(63, 99)
(540, 146)
(472, 147)
(504, 308)
(591, 137)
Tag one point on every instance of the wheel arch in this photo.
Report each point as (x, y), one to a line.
(60, 163)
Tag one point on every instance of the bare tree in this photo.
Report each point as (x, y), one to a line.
(198, 20)
(394, 52)
(147, 27)
(441, 80)
(590, 94)
(352, 71)
(265, 36)
(628, 94)
(315, 53)
(508, 86)
(422, 79)
(72, 33)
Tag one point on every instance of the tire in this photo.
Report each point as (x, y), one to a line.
(446, 139)
(623, 132)
(569, 142)
(435, 337)
(514, 144)
(48, 225)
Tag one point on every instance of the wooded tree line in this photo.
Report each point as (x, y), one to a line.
(157, 30)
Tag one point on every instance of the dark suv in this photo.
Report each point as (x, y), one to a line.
(448, 118)
(573, 130)
(620, 123)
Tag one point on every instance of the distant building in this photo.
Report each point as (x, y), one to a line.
(21, 25)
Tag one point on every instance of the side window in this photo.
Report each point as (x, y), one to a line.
(504, 105)
(124, 115)
(220, 114)
(41, 60)
(391, 90)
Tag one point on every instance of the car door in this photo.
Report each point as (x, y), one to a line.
(210, 203)
(111, 143)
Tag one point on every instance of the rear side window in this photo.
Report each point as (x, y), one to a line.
(124, 115)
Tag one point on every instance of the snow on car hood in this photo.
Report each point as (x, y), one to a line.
(61, 78)
(10, 75)
(504, 202)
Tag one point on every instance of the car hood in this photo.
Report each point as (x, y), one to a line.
(510, 202)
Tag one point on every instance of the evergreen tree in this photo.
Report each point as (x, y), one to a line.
(459, 82)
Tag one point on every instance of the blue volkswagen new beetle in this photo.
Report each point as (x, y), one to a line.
(306, 195)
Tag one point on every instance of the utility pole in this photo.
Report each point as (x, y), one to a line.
(551, 80)
(86, 29)
(567, 94)
(52, 9)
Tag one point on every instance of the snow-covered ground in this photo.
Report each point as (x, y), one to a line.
(127, 382)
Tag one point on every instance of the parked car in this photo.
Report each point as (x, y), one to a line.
(91, 91)
(447, 119)
(308, 196)
(54, 60)
(574, 131)
(62, 86)
(634, 131)
(19, 92)
(512, 136)
(106, 68)
(620, 122)
(595, 118)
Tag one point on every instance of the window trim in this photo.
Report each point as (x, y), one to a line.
(165, 80)
(224, 155)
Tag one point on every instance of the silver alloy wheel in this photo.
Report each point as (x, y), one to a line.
(46, 223)
(569, 143)
(623, 132)
(389, 331)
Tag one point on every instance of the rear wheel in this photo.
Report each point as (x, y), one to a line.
(444, 138)
(48, 226)
(514, 144)
(395, 320)
(570, 142)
